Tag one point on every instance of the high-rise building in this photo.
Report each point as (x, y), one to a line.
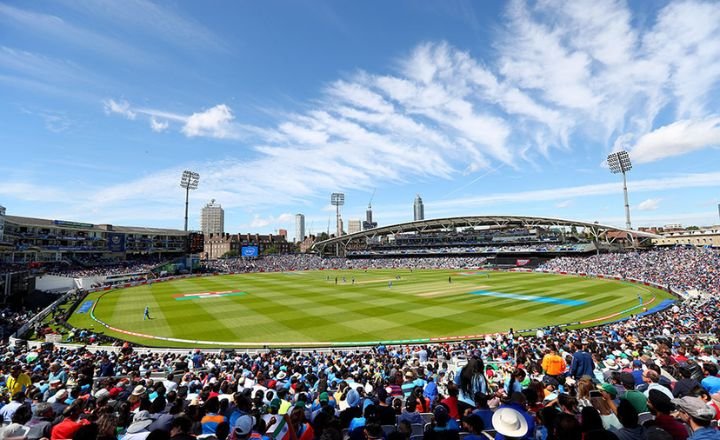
(2, 222)
(299, 227)
(212, 219)
(354, 226)
(369, 223)
(418, 209)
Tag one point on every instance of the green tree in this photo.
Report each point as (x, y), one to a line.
(230, 254)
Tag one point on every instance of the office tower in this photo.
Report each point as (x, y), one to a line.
(418, 209)
(299, 228)
(354, 226)
(212, 219)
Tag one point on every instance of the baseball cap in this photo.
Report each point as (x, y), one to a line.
(610, 389)
(695, 407)
(243, 425)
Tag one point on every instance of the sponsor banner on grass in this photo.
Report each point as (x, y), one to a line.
(207, 295)
(85, 307)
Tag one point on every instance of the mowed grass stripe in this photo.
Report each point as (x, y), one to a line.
(282, 307)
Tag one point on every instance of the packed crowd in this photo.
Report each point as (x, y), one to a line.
(295, 262)
(648, 377)
(497, 248)
(12, 319)
(115, 269)
(682, 268)
(605, 383)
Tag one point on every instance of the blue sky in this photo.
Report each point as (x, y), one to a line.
(479, 107)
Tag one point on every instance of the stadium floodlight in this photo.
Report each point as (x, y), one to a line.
(337, 200)
(620, 163)
(189, 180)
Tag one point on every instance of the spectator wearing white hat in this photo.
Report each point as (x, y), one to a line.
(509, 424)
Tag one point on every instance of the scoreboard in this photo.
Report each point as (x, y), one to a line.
(196, 242)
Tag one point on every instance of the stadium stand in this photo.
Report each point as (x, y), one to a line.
(646, 377)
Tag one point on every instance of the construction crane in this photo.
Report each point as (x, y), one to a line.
(371, 198)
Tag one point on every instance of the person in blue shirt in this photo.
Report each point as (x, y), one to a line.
(582, 363)
(514, 383)
(711, 382)
(146, 314)
(470, 380)
(694, 412)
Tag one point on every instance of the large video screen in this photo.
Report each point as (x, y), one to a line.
(249, 252)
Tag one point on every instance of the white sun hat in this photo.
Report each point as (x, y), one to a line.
(509, 422)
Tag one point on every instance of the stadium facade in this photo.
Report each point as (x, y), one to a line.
(507, 240)
(28, 239)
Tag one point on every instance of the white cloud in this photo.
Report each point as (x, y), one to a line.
(119, 107)
(677, 138)
(697, 180)
(649, 205)
(588, 74)
(158, 126)
(213, 122)
(282, 221)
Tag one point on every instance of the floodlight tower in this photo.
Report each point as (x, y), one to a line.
(620, 163)
(189, 180)
(337, 200)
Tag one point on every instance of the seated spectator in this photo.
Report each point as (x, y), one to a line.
(698, 415)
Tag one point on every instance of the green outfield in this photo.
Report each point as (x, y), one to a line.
(309, 308)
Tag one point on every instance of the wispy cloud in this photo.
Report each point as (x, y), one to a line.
(697, 180)
(56, 29)
(649, 205)
(609, 79)
(260, 222)
(676, 139)
(121, 107)
(158, 126)
(152, 19)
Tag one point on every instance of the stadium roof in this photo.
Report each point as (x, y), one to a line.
(599, 231)
(47, 223)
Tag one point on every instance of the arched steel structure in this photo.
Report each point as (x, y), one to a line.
(598, 231)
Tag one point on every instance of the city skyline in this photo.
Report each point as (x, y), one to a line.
(484, 108)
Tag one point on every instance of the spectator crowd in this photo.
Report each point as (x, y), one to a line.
(648, 377)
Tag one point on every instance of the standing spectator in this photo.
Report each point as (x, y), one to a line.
(554, 365)
(470, 380)
(582, 363)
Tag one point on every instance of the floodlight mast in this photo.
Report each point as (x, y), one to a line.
(337, 200)
(620, 163)
(189, 180)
